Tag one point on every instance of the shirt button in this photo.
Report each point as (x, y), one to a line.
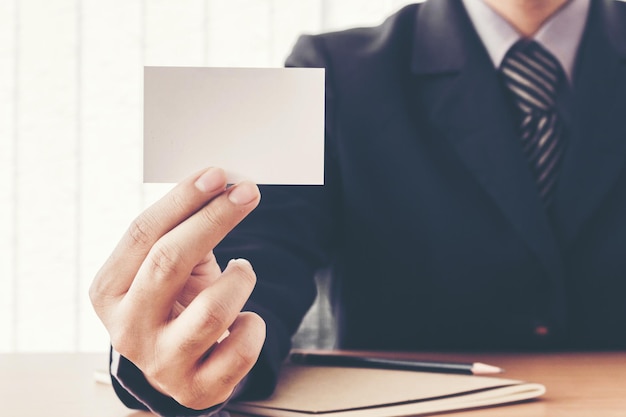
(542, 331)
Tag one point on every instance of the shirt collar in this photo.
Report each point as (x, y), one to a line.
(560, 34)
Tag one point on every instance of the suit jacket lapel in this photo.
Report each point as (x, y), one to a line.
(596, 152)
(455, 78)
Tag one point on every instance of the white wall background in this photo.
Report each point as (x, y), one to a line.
(71, 133)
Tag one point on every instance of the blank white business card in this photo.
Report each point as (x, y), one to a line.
(261, 124)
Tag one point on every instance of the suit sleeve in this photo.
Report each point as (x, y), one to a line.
(135, 392)
(287, 239)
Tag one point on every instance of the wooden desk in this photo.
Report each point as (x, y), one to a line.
(579, 385)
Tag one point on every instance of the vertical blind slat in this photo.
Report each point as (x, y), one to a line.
(8, 16)
(111, 141)
(239, 33)
(46, 183)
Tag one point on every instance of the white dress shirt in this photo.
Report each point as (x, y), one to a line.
(560, 34)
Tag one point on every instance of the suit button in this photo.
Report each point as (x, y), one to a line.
(541, 330)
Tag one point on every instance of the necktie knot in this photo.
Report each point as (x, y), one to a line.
(532, 74)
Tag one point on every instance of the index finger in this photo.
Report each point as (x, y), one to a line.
(167, 267)
(190, 195)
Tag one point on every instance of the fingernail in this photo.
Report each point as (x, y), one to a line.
(243, 193)
(212, 180)
(242, 261)
(223, 336)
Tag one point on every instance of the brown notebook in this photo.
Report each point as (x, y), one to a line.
(360, 392)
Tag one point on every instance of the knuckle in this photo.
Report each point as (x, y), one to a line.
(139, 231)
(101, 297)
(246, 356)
(178, 202)
(165, 260)
(246, 352)
(217, 313)
(213, 217)
(123, 342)
(95, 293)
(191, 345)
(97, 288)
(228, 381)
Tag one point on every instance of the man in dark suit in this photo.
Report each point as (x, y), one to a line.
(474, 198)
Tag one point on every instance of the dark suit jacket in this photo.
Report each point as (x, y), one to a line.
(429, 218)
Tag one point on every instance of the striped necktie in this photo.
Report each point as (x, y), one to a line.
(532, 75)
